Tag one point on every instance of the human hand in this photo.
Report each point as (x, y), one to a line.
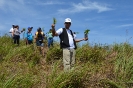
(52, 25)
(85, 39)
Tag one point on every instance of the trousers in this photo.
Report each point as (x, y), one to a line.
(68, 59)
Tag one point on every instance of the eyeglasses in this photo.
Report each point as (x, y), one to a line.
(67, 23)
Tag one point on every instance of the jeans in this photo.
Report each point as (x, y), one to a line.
(50, 42)
(16, 39)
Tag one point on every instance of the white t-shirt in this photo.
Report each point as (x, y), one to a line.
(11, 30)
(74, 36)
(70, 37)
(16, 31)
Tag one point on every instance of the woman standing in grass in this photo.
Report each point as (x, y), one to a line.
(39, 36)
(16, 34)
(29, 36)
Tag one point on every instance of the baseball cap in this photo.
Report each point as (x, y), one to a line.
(68, 20)
(30, 27)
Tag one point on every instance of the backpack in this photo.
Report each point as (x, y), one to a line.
(40, 36)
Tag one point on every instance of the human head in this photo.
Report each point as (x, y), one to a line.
(67, 23)
(39, 29)
(50, 30)
(30, 28)
(16, 26)
(13, 26)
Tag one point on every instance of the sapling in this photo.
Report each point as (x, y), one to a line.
(86, 32)
(54, 20)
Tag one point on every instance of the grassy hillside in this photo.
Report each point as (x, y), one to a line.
(96, 67)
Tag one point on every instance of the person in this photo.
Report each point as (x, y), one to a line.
(16, 34)
(29, 37)
(50, 38)
(39, 36)
(11, 31)
(67, 43)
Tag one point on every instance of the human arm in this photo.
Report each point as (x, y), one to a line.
(13, 31)
(53, 31)
(20, 31)
(79, 40)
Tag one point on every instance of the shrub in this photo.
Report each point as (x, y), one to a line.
(53, 54)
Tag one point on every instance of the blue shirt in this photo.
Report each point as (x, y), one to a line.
(29, 36)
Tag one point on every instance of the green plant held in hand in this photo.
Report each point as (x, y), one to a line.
(24, 29)
(86, 31)
(54, 21)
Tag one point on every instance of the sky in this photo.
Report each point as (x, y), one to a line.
(109, 21)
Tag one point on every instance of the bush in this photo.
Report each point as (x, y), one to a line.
(53, 54)
(93, 54)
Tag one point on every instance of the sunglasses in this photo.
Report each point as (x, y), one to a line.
(67, 23)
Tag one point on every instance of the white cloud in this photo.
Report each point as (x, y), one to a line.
(18, 8)
(125, 25)
(85, 6)
(50, 3)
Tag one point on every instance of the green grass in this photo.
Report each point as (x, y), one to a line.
(96, 67)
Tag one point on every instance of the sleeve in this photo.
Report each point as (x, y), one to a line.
(59, 31)
(75, 36)
(11, 30)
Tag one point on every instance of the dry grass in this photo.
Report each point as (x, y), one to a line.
(96, 67)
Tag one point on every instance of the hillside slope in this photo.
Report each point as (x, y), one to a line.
(96, 67)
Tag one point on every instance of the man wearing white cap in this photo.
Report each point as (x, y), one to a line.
(67, 43)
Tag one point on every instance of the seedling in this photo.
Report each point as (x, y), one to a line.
(86, 32)
(54, 21)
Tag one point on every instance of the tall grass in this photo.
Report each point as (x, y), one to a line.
(96, 67)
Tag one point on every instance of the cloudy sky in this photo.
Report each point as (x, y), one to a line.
(109, 21)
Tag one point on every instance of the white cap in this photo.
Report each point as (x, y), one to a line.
(68, 20)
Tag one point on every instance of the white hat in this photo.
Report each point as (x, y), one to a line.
(68, 20)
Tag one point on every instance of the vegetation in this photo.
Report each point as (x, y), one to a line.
(86, 31)
(96, 66)
(54, 20)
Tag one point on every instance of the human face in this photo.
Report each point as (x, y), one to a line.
(67, 25)
(30, 29)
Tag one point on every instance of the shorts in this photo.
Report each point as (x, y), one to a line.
(39, 43)
(30, 42)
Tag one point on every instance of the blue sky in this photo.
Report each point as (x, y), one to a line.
(109, 21)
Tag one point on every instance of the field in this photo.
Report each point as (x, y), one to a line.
(98, 66)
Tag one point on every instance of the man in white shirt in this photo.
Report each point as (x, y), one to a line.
(11, 31)
(67, 43)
